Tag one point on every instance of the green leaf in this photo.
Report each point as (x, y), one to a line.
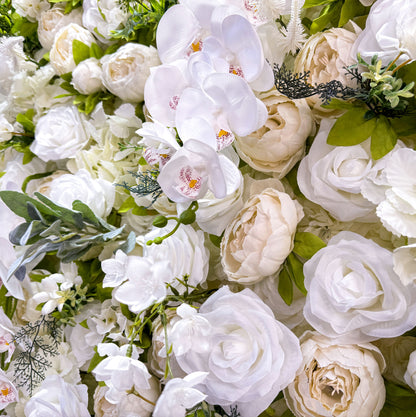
(129, 244)
(351, 128)
(337, 104)
(408, 73)
(128, 204)
(296, 267)
(80, 51)
(87, 214)
(96, 359)
(351, 9)
(34, 177)
(96, 51)
(328, 17)
(285, 287)
(314, 3)
(383, 138)
(216, 240)
(405, 125)
(307, 244)
(400, 401)
(26, 121)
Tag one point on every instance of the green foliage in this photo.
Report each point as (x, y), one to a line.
(69, 5)
(143, 20)
(335, 13)
(50, 228)
(21, 141)
(400, 401)
(207, 410)
(38, 341)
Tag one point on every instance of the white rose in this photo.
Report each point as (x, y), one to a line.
(31, 9)
(337, 380)
(184, 250)
(97, 194)
(59, 134)
(87, 77)
(249, 355)
(389, 30)
(101, 17)
(260, 237)
(396, 352)
(125, 72)
(61, 55)
(56, 398)
(410, 375)
(354, 293)
(52, 20)
(331, 176)
(325, 55)
(280, 143)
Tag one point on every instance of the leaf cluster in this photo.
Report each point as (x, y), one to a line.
(38, 342)
(400, 401)
(50, 228)
(305, 246)
(69, 4)
(206, 410)
(143, 20)
(335, 13)
(6, 21)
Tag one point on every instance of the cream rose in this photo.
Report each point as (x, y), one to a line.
(61, 55)
(87, 77)
(59, 134)
(260, 237)
(52, 20)
(125, 72)
(354, 293)
(280, 143)
(337, 380)
(325, 55)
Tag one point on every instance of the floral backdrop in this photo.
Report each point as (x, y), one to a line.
(207, 208)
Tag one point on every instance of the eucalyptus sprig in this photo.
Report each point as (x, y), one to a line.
(50, 228)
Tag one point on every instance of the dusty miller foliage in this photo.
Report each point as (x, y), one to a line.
(147, 185)
(39, 341)
(296, 85)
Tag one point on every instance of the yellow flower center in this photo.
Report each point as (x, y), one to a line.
(192, 183)
(5, 391)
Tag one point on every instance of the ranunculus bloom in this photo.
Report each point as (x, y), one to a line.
(52, 20)
(331, 176)
(280, 143)
(325, 55)
(337, 380)
(61, 54)
(354, 293)
(389, 29)
(260, 237)
(59, 134)
(125, 72)
(87, 77)
(249, 355)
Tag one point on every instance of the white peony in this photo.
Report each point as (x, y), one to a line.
(61, 54)
(51, 146)
(87, 77)
(331, 176)
(125, 71)
(337, 380)
(249, 355)
(354, 293)
(280, 143)
(57, 398)
(389, 30)
(31, 9)
(258, 240)
(52, 20)
(97, 194)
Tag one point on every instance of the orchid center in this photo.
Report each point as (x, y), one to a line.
(236, 70)
(173, 102)
(224, 139)
(189, 182)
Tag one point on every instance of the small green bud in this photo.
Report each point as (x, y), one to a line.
(158, 240)
(160, 221)
(187, 217)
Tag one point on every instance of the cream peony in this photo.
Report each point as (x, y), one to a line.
(61, 55)
(337, 380)
(331, 176)
(249, 355)
(87, 77)
(52, 20)
(354, 293)
(280, 143)
(260, 237)
(125, 72)
(325, 55)
(389, 30)
(50, 146)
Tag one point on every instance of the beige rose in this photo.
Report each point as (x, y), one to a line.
(280, 143)
(52, 20)
(61, 55)
(325, 55)
(258, 240)
(336, 380)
